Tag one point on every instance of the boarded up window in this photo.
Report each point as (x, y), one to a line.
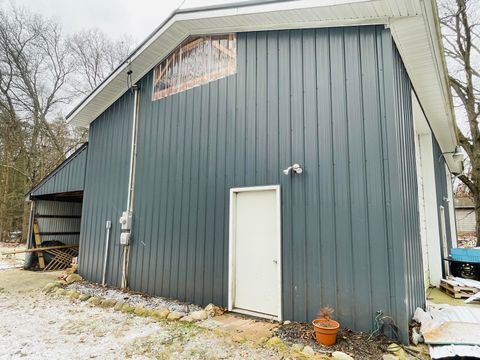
(194, 63)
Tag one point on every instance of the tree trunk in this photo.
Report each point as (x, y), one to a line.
(5, 203)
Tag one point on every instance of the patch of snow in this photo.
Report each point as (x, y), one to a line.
(11, 261)
(35, 326)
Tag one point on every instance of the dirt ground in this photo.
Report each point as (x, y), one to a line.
(358, 345)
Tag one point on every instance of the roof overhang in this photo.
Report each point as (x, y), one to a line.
(48, 185)
(414, 25)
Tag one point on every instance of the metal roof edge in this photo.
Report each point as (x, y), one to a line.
(57, 168)
(122, 64)
(179, 11)
(181, 14)
(442, 71)
(236, 4)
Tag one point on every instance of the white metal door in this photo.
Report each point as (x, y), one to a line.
(255, 268)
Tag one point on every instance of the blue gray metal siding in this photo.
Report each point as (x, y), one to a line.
(67, 177)
(105, 193)
(336, 101)
(403, 187)
(442, 190)
(59, 224)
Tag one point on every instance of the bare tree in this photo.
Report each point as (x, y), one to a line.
(41, 71)
(34, 67)
(460, 21)
(96, 56)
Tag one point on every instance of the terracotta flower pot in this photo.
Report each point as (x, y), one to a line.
(326, 331)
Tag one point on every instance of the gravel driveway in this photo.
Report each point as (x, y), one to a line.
(38, 326)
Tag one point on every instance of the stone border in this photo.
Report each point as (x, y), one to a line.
(57, 288)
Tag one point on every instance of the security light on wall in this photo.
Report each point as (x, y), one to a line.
(295, 168)
(457, 155)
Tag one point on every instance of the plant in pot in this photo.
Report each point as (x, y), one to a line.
(325, 328)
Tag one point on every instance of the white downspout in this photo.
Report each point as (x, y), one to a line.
(133, 150)
(131, 189)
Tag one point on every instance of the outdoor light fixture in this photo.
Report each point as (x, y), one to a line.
(457, 155)
(295, 168)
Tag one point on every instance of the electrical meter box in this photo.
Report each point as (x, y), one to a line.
(126, 220)
(125, 238)
(126, 227)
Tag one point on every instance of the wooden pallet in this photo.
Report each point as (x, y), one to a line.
(457, 291)
(62, 258)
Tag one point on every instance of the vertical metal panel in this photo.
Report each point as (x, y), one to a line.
(335, 101)
(297, 211)
(442, 190)
(105, 193)
(312, 225)
(359, 252)
(341, 174)
(69, 176)
(406, 243)
(285, 159)
(375, 169)
(326, 271)
(50, 224)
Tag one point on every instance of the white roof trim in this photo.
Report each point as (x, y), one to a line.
(413, 23)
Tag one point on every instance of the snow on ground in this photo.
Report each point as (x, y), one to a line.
(132, 298)
(11, 261)
(38, 326)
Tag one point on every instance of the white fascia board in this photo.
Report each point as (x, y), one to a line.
(445, 131)
(419, 43)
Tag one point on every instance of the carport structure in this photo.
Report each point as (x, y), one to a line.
(56, 203)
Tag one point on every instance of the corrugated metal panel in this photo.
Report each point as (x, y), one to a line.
(48, 224)
(323, 98)
(442, 191)
(67, 177)
(443, 313)
(105, 193)
(414, 25)
(404, 187)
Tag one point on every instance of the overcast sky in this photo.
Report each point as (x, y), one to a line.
(137, 18)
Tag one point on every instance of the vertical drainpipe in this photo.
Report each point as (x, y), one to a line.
(131, 181)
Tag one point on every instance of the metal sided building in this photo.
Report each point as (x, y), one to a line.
(56, 201)
(274, 157)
